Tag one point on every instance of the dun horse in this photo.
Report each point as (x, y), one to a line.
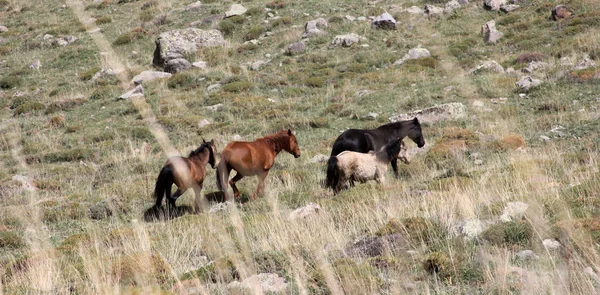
(253, 158)
(365, 140)
(351, 166)
(185, 173)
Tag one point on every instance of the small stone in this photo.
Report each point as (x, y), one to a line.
(235, 9)
(346, 40)
(451, 6)
(544, 138)
(509, 7)
(36, 65)
(370, 116)
(147, 76)
(215, 107)
(472, 228)
(296, 48)
(514, 211)
(478, 103)
(305, 211)
(414, 10)
(213, 88)
(488, 66)
(432, 10)
(415, 53)
(527, 255)
(448, 88)
(194, 6)
(177, 65)
(535, 65)
(493, 5)
(137, 91)
(200, 64)
(203, 123)
(490, 34)
(551, 244)
(522, 95)
(478, 162)
(350, 18)
(3, 29)
(236, 137)
(320, 158)
(385, 21)
(527, 82)
(561, 12)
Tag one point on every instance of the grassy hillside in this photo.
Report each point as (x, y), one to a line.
(93, 158)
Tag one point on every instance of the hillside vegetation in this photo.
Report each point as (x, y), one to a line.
(502, 200)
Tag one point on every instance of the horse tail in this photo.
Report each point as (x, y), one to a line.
(163, 182)
(333, 176)
(222, 177)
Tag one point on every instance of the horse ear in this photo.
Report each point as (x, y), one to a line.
(416, 120)
(290, 132)
(203, 141)
(212, 141)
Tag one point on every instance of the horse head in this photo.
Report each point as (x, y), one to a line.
(415, 133)
(292, 144)
(212, 148)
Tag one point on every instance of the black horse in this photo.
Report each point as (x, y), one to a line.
(365, 140)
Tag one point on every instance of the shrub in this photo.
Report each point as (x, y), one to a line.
(393, 226)
(438, 263)
(141, 266)
(509, 233)
(237, 86)
(105, 19)
(254, 33)
(71, 211)
(255, 11)
(513, 141)
(426, 62)
(10, 240)
(142, 133)
(315, 82)
(277, 4)
(127, 37)
(4, 50)
(182, 80)
(226, 26)
(354, 276)
(529, 57)
(19, 100)
(281, 21)
(57, 121)
(147, 15)
(87, 75)
(29, 106)
(237, 19)
(9, 82)
(105, 92)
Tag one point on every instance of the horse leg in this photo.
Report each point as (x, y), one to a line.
(261, 183)
(200, 201)
(395, 167)
(236, 178)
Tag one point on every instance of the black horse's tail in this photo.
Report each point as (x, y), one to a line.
(333, 176)
(163, 184)
(222, 178)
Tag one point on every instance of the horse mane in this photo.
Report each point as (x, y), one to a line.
(414, 122)
(392, 149)
(275, 138)
(200, 148)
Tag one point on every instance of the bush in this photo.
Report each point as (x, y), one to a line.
(316, 82)
(9, 82)
(105, 92)
(255, 11)
(105, 19)
(238, 86)
(281, 21)
(277, 4)
(128, 37)
(30, 106)
(227, 27)
(254, 33)
(509, 233)
(87, 75)
(57, 121)
(182, 80)
(237, 19)
(18, 101)
(10, 240)
(513, 141)
(142, 133)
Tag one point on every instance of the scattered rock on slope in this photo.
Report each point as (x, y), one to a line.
(265, 282)
(385, 21)
(377, 246)
(432, 10)
(449, 111)
(493, 5)
(137, 91)
(147, 76)
(527, 82)
(235, 9)
(177, 44)
(415, 53)
(346, 40)
(490, 34)
(488, 66)
(315, 27)
(305, 211)
(561, 12)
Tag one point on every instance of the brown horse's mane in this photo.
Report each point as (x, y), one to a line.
(275, 139)
(199, 149)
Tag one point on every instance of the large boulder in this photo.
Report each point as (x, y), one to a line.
(415, 53)
(177, 65)
(561, 12)
(493, 5)
(489, 32)
(235, 9)
(177, 44)
(451, 6)
(432, 10)
(449, 111)
(488, 66)
(315, 28)
(527, 82)
(346, 40)
(385, 21)
(147, 76)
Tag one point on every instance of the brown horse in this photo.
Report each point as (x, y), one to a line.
(253, 158)
(185, 173)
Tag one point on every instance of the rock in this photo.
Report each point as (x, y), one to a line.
(385, 21)
(489, 32)
(235, 9)
(544, 138)
(99, 211)
(561, 12)
(513, 211)
(320, 158)
(26, 183)
(61, 42)
(509, 7)
(350, 18)
(472, 228)
(478, 103)
(370, 116)
(377, 246)
(535, 65)
(257, 64)
(194, 6)
(305, 211)
(431, 10)
(527, 255)
(488, 66)
(448, 88)
(36, 65)
(137, 91)
(527, 82)
(415, 53)
(346, 40)
(3, 29)
(262, 283)
(177, 65)
(478, 162)
(585, 63)
(213, 88)
(414, 10)
(215, 107)
(361, 18)
(203, 123)
(219, 207)
(551, 244)
(177, 44)
(493, 5)
(449, 111)
(463, 2)
(147, 76)
(237, 137)
(314, 28)
(200, 64)
(102, 74)
(529, 57)
(296, 48)
(451, 6)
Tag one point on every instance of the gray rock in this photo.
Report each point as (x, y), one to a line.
(488, 66)
(137, 91)
(493, 5)
(585, 63)
(513, 211)
(489, 32)
(235, 9)
(215, 107)
(103, 73)
(370, 116)
(213, 88)
(48, 37)
(432, 10)
(350, 18)
(377, 246)
(346, 40)
(463, 2)
(451, 6)
(257, 64)
(237, 137)
(478, 162)
(194, 6)
(203, 123)
(527, 255)
(385, 21)
(551, 244)
(36, 65)
(61, 42)
(219, 207)
(263, 282)
(200, 65)
(509, 7)
(177, 65)
(3, 29)
(177, 44)
(305, 211)
(472, 228)
(99, 211)
(147, 76)
(315, 27)
(414, 10)
(296, 48)
(415, 53)
(535, 65)
(561, 12)
(527, 82)
(544, 138)
(320, 158)
(449, 111)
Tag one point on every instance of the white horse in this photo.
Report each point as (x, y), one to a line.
(352, 166)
